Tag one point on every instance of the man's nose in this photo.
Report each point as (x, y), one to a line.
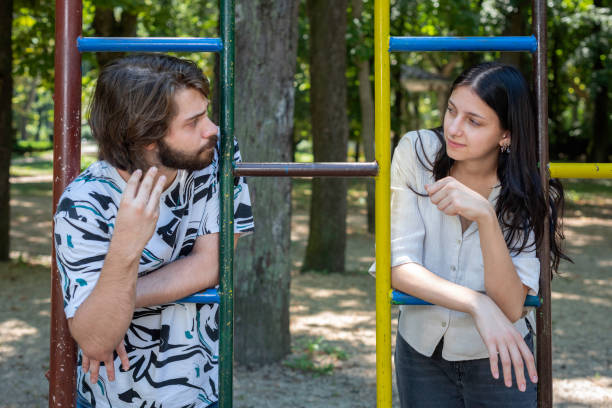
(210, 129)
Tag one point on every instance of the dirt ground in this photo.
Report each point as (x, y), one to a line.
(328, 312)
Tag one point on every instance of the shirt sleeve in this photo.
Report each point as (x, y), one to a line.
(81, 242)
(527, 265)
(407, 227)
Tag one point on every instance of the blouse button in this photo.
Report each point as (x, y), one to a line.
(443, 324)
(453, 268)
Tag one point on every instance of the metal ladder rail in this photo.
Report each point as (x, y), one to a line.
(382, 90)
(67, 123)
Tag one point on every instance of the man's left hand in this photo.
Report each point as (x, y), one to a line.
(93, 366)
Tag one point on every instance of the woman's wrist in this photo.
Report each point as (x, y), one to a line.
(488, 216)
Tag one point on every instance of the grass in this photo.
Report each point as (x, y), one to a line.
(315, 356)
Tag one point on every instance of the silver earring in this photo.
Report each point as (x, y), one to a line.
(505, 148)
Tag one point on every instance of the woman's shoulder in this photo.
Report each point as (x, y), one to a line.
(424, 143)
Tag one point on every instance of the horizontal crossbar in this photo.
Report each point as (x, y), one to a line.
(400, 298)
(208, 296)
(580, 170)
(340, 169)
(527, 43)
(150, 44)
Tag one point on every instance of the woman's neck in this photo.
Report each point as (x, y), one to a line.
(480, 176)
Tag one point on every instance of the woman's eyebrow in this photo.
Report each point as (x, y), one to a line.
(450, 102)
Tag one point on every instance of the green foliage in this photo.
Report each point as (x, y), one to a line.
(27, 146)
(313, 355)
(579, 33)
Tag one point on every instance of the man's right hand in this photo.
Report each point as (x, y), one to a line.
(138, 210)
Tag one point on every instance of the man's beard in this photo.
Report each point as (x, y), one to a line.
(175, 159)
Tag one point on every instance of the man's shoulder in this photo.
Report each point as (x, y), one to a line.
(97, 189)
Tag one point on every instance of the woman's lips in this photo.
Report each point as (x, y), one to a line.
(453, 144)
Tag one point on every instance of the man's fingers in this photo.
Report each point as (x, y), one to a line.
(144, 191)
(110, 368)
(519, 368)
(85, 363)
(153, 203)
(94, 368)
(125, 361)
(132, 184)
(506, 362)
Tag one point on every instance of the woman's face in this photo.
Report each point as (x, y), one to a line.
(472, 130)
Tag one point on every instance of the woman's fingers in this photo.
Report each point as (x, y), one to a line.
(519, 367)
(529, 361)
(506, 362)
(493, 361)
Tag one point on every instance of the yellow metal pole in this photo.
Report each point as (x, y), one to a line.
(580, 170)
(383, 191)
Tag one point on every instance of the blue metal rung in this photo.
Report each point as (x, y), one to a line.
(208, 296)
(528, 43)
(400, 298)
(151, 44)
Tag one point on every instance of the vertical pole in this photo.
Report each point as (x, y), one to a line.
(66, 166)
(226, 245)
(382, 212)
(544, 344)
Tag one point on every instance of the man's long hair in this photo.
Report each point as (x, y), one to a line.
(133, 104)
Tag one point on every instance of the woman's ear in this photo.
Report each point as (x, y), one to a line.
(506, 139)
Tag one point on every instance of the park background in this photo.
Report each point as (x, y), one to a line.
(304, 333)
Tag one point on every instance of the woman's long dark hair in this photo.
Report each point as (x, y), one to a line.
(521, 205)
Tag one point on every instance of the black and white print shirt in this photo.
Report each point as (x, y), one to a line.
(172, 348)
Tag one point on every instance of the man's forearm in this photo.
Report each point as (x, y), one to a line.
(103, 318)
(197, 271)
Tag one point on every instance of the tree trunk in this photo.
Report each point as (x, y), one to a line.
(600, 144)
(517, 26)
(105, 25)
(328, 93)
(366, 102)
(6, 131)
(266, 44)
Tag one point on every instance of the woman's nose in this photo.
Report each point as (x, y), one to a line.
(454, 127)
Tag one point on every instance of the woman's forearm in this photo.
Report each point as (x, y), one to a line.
(502, 282)
(418, 281)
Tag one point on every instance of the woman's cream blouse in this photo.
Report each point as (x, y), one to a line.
(423, 234)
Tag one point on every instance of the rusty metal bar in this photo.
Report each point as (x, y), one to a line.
(66, 166)
(330, 169)
(544, 335)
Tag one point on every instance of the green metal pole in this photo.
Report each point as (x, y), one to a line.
(226, 239)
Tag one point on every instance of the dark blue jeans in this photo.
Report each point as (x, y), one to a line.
(434, 382)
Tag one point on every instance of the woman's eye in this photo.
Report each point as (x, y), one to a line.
(475, 123)
(449, 109)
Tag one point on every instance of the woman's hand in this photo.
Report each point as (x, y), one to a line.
(454, 198)
(504, 341)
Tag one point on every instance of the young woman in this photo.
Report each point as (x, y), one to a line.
(468, 213)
